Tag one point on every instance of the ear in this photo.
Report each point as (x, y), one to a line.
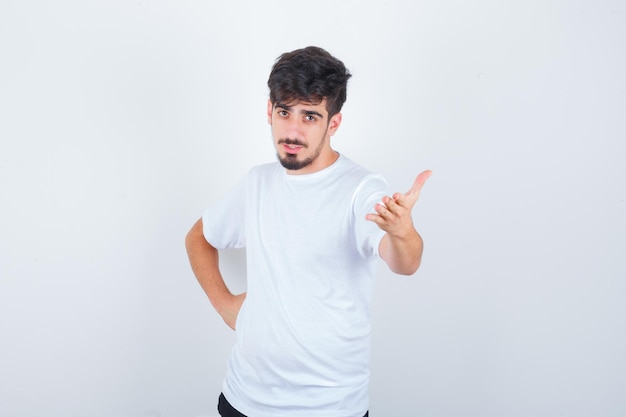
(270, 109)
(333, 124)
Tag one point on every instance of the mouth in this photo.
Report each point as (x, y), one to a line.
(292, 149)
(291, 146)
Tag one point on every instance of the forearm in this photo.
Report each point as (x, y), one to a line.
(204, 259)
(402, 253)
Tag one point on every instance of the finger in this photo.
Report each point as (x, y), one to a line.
(409, 199)
(419, 182)
(376, 218)
(382, 209)
(392, 204)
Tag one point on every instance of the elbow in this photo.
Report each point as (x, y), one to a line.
(189, 239)
(193, 236)
(408, 269)
(407, 265)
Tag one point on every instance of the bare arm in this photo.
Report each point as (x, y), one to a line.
(401, 247)
(204, 259)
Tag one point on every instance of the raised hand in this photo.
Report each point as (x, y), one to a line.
(393, 215)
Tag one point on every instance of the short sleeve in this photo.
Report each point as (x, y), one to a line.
(224, 222)
(368, 235)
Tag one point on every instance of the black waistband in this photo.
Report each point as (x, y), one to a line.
(227, 410)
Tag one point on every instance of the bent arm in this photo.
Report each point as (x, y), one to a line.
(204, 259)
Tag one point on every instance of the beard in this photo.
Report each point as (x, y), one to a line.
(291, 161)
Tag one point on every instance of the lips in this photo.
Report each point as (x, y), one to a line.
(292, 149)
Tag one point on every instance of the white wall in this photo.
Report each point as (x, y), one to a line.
(121, 120)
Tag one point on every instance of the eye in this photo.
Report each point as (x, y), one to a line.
(310, 118)
(283, 113)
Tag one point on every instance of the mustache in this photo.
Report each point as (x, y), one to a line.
(296, 142)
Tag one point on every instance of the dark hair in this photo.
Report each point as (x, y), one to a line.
(309, 75)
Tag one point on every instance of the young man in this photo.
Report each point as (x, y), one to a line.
(313, 225)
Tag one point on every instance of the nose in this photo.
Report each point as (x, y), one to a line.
(294, 128)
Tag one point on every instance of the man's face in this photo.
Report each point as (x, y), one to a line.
(301, 133)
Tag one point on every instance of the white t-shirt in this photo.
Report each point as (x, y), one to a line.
(303, 332)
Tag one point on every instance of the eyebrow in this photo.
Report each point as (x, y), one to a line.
(305, 112)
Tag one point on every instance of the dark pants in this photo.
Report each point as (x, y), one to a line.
(227, 410)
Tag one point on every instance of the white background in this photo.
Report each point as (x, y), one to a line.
(121, 120)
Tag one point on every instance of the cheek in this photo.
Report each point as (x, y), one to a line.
(278, 128)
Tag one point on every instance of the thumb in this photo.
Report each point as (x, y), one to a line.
(419, 183)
